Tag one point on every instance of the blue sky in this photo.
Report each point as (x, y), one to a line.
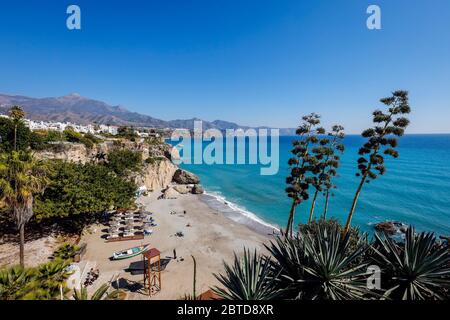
(252, 62)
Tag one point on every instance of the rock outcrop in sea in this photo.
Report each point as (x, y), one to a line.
(391, 228)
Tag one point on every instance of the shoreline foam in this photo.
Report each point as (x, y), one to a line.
(240, 215)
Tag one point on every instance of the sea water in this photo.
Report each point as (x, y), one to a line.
(414, 190)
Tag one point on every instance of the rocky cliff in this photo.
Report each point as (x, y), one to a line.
(156, 176)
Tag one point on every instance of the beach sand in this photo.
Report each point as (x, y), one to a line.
(211, 238)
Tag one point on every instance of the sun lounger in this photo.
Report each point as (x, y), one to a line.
(128, 234)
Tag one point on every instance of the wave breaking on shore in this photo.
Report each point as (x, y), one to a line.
(240, 215)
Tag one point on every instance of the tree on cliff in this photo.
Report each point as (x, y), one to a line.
(299, 163)
(381, 139)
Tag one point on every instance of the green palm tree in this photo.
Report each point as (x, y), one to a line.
(416, 269)
(249, 278)
(16, 113)
(52, 279)
(21, 177)
(100, 294)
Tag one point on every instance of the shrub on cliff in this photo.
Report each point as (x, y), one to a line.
(88, 139)
(123, 161)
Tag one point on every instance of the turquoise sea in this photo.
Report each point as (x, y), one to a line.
(415, 189)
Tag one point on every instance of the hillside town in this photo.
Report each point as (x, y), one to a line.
(90, 128)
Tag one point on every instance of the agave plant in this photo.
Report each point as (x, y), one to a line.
(14, 283)
(50, 280)
(100, 294)
(417, 269)
(321, 265)
(249, 278)
(66, 251)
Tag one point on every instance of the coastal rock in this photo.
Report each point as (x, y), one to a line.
(173, 154)
(156, 176)
(198, 189)
(170, 193)
(185, 177)
(67, 151)
(390, 227)
(183, 188)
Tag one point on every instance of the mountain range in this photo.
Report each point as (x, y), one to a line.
(81, 110)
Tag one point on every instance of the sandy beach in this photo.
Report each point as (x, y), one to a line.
(208, 235)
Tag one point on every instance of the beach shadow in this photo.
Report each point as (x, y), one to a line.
(128, 285)
(137, 267)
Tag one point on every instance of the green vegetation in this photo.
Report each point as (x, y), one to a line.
(47, 282)
(38, 140)
(328, 261)
(100, 294)
(249, 278)
(9, 129)
(127, 133)
(298, 180)
(88, 139)
(22, 177)
(321, 263)
(77, 189)
(381, 140)
(31, 189)
(417, 269)
(324, 163)
(44, 282)
(123, 161)
(66, 251)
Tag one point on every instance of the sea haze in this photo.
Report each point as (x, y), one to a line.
(415, 188)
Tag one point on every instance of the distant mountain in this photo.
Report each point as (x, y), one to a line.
(77, 109)
(80, 110)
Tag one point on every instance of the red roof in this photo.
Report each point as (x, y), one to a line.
(153, 252)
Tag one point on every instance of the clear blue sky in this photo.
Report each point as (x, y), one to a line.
(253, 62)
